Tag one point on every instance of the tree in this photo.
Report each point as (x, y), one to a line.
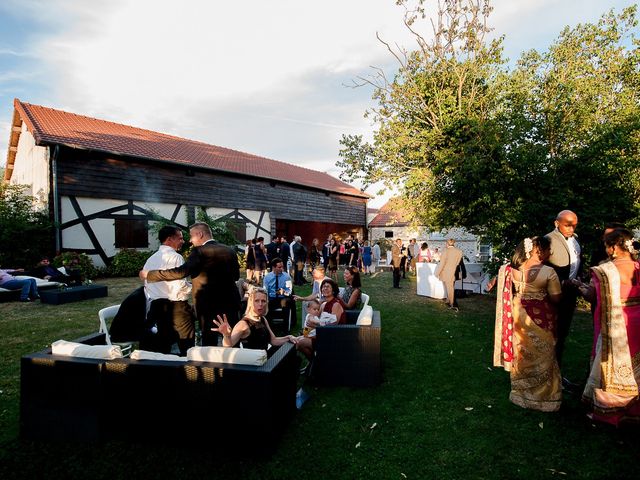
(25, 233)
(470, 143)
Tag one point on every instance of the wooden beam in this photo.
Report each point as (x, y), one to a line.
(16, 129)
(13, 149)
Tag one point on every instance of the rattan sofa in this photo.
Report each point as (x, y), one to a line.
(84, 399)
(348, 355)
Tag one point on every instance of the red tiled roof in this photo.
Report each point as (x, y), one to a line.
(50, 126)
(390, 214)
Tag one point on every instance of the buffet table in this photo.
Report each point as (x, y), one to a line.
(428, 283)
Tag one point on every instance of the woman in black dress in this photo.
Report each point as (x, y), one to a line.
(253, 330)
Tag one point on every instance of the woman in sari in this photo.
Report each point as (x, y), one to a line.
(612, 388)
(525, 340)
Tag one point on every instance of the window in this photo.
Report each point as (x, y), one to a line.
(485, 253)
(238, 229)
(132, 234)
(388, 234)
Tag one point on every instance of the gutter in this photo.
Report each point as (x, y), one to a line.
(54, 192)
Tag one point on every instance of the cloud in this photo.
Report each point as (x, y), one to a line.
(266, 77)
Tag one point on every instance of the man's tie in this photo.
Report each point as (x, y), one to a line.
(276, 284)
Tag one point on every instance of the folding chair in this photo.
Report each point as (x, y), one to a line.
(106, 314)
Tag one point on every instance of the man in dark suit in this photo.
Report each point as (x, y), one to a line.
(566, 260)
(214, 270)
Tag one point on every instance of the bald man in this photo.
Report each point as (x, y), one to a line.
(566, 260)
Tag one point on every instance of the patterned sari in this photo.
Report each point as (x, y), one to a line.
(524, 339)
(612, 387)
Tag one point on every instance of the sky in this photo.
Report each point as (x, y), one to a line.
(268, 77)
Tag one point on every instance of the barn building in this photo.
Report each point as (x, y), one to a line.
(104, 182)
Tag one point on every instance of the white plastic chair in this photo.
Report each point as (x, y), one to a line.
(106, 314)
(365, 299)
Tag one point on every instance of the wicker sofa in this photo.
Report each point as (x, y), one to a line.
(348, 355)
(85, 399)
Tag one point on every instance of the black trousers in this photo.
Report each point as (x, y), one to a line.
(566, 308)
(396, 277)
(175, 322)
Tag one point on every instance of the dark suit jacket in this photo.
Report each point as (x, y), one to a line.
(214, 270)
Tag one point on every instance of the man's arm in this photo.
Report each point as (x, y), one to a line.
(184, 270)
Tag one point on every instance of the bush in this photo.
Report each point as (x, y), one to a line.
(82, 261)
(127, 263)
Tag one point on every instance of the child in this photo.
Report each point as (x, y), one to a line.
(312, 320)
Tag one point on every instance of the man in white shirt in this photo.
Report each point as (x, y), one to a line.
(565, 259)
(167, 304)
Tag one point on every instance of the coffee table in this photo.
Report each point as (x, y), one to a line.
(73, 294)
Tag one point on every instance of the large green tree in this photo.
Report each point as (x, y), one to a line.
(25, 232)
(469, 142)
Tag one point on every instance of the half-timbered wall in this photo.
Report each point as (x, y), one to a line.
(96, 189)
(90, 174)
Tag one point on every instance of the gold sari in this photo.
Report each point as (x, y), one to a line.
(535, 376)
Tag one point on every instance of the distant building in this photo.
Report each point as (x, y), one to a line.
(391, 223)
(103, 183)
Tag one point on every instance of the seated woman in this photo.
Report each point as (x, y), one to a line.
(612, 388)
(350, 296)
(332, 306)
(28, 286)
(253, 330)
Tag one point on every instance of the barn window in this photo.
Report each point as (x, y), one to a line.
(132, 234)
(239, 230)
(388, 234)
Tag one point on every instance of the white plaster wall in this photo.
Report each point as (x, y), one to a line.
(253, 215)
(31, 167)
(465, 241)
(76, 238)
(166, 210)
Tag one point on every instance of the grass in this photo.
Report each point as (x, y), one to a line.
(441, 412)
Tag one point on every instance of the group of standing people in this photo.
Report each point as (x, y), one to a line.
(536, 299)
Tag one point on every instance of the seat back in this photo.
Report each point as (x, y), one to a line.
(104, 315)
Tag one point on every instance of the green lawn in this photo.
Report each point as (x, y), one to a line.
(442, 410)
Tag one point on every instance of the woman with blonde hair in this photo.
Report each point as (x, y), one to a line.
(526, 321)
(253, 330)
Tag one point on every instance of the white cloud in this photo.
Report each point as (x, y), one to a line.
(260, 76)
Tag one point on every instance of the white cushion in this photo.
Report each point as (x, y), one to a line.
(366, 316)
(39, 281)
(146, 355)
(73, 349)
(327, 318)
(239, 356)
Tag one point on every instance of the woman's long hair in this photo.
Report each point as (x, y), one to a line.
(520, 256)
(355, 277)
